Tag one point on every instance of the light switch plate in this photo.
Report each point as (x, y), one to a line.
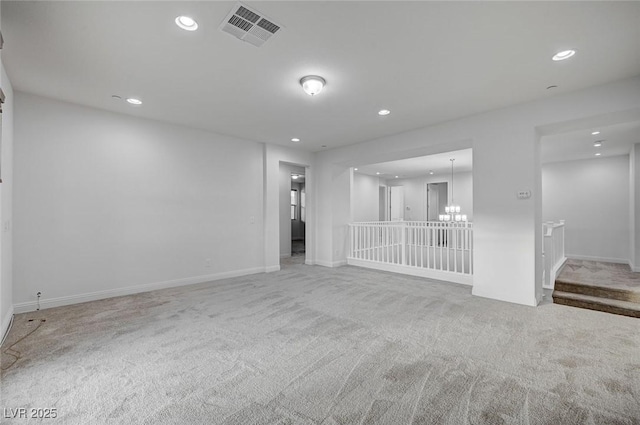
(524, 194)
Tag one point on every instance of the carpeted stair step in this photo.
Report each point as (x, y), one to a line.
(624, 308)
(597, 291)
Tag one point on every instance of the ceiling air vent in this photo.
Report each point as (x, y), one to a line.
(249, 25)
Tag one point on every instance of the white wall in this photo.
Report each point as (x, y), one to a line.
(366, 197)
(107, 204)
(506, 160)
(6, 204)
(415, 193)
(634, 207)
(593, 197)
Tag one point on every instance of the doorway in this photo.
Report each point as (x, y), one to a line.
(293, 214)
(391, 203)
(298, 215)
(436, 200)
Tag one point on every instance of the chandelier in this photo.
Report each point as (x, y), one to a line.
(452, 211)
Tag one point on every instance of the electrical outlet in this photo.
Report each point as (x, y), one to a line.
(524, 194)
(252, 220)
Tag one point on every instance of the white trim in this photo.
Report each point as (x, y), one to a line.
(6, 322)
(554, 274)
(331, 263)
(285, 255)
(271, 269)
(602, 259)
(464, 279)
(129, 290)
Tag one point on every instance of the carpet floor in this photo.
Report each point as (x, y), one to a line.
(597, 273)
(313, 345)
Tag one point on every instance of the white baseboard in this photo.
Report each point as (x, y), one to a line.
(464, 279)
(506, 296)
(310, 262)
(331, 263)
(6, 321)
(602, 259)
(271, 269)
(28, 306)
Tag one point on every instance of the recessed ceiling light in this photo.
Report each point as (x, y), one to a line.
(396, 176)
(431, 172)
(186, 23)
(378, 172)
(134, 101)
(595, 132)
(598, 143)
(295, 139)
(552, 87)
(355, 169)
(384, 112)
(312, 84)
(598, 154)
(565, 54)
(295, 176)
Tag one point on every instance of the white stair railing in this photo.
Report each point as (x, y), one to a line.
(441, 250)
(553, 251)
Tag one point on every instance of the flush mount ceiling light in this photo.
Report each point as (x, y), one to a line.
(597, 143)
(186, 23)
(134, 101)
(595, 133)
(565, 54)
(295, 139)
(383, 112)
(598, 154)
(312, 84)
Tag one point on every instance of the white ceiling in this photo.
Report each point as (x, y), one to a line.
(440, 164)
(425, 61)
(578, 144)
(568, 145)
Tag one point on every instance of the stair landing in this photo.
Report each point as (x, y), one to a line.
(608, 287)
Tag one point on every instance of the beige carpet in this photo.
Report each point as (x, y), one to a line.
(598, 273)
(311, 345)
